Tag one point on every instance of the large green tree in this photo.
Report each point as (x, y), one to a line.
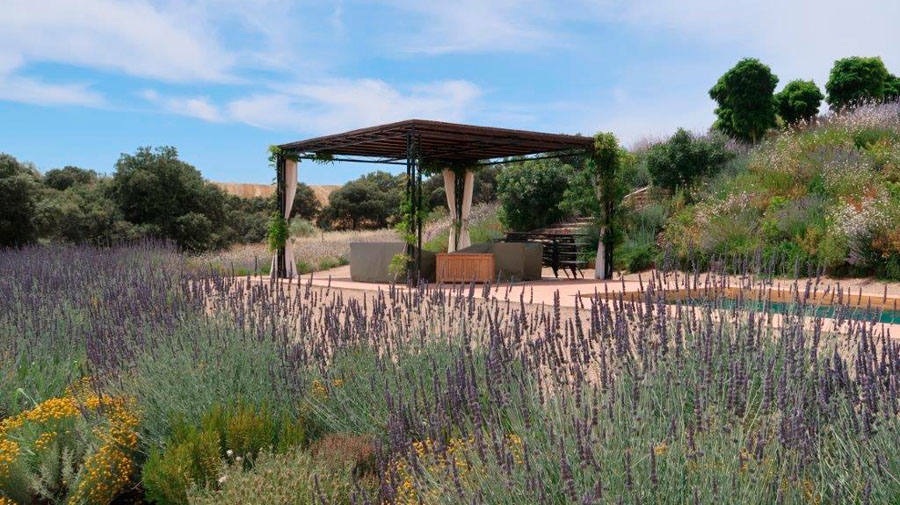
(19, 189)
(856, 79)
(679, 161)
(306, 205)
(68, 176)
(746, 103)
(892, 87)
(82, 213)
(373, 201)
(168, 198)
(530, 193)
(799, 101)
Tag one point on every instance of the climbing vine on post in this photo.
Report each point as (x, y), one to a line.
(278, 234)
(605, 164)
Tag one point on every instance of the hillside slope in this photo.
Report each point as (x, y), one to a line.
(827, 194)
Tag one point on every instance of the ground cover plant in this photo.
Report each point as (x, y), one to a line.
(298, 394)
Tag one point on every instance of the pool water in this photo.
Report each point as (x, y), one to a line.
(829, 311)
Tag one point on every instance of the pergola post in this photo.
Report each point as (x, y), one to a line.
(414, 204)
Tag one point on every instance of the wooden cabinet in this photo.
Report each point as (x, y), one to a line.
(465, 267)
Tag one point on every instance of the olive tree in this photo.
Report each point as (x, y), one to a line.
(530, 193)
(678, 162)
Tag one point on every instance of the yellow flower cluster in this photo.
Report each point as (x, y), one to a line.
(319, 390)
(661, 448)
(108, 470)
(438, 464)
(6, 501)
(50, 410)
(9, 451)
(44, 440)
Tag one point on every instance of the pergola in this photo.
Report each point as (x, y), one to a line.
(456, 149)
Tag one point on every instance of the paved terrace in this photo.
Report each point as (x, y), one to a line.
(542, 292)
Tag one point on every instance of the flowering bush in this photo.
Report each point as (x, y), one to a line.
(76, 449)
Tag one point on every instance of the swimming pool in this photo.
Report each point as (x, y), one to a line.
(888, 316)
(859, 307)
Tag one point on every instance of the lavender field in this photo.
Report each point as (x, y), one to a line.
(127, 377)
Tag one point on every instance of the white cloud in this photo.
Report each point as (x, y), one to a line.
(198, 106)
(27, 90)
(130, 36)
(267, 111)
(479, 26)
(337, 105)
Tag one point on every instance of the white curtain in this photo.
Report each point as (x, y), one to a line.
(468, 186)
(450, 189)
(600, 260)
(290, 190)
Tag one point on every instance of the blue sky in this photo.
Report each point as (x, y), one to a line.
(82, 81)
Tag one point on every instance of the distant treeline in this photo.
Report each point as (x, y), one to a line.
(151, 194)
(154, 194)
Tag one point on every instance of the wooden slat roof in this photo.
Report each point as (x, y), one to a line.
(438, 140)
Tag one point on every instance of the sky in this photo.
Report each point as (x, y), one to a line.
(82, 81)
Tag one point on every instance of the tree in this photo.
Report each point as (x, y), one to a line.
(605, 165)
(799, 101)
(248, 218)
(679, 161)
(856, 79)
(373, 200)
(82, 213)
(892, 87)
(167, 197)
(306, 205)
(68, 176)
(746, 104)
(18, 198)
(530, 193)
